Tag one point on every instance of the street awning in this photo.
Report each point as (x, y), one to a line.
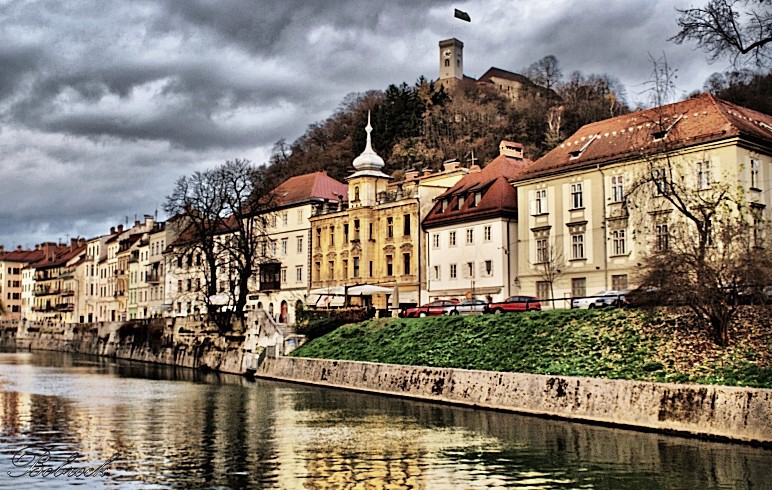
(368, 290)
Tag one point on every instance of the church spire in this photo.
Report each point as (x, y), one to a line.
(369, 160)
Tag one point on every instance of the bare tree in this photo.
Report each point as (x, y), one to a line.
(722, 29)
(217, 211)
(550, 263)
(545, 72)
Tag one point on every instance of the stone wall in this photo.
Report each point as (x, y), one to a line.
(741, 414)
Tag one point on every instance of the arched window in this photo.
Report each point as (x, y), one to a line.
(356, 193)
(447, 62)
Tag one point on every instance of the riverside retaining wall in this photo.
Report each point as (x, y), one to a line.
(724, 412)
(213, 351)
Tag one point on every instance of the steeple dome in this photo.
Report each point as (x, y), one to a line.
(368, 160)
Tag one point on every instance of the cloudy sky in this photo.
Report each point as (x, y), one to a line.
(103, 105)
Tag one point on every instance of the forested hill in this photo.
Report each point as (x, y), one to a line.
(422, 125)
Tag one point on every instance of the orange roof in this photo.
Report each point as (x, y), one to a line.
(691, 122)
(498, 196)
(22, 256)
(317, 185)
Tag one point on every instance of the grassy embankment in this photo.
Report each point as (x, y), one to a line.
(619, 344)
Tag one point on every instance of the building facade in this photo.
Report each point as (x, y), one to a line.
(471, 232)
(580, 220)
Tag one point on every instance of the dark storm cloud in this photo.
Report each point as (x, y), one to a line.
(104, 104)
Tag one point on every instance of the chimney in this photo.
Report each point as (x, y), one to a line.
(2, 249)
(112, 230)
(73, 243)
(18, 248)
(412, 174)
(49, 251)
(340, 202)
(136, 224)
(37, 246)
(510, 149)
(148, 222)
(474, 169)
(450, 165)
(120, 228)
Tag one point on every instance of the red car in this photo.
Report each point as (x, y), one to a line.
(515, 303)
(434, 308)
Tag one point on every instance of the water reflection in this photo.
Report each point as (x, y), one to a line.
(179, 427)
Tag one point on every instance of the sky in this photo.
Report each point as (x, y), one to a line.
(104, 105)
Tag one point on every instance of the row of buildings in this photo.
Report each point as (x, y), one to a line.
(454, 232)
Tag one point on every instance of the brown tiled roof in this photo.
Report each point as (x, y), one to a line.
(507, 75)
(317, 185)
(499, 198)
(22, 256)
(62, 254)
(691, 122)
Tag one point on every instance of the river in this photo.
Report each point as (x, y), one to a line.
(132, 425)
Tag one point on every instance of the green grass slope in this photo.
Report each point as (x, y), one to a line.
(619, 344)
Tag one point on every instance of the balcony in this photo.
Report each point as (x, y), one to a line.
(45, 291)
(270, 276)
(68, 292)
(119, 294)
(65, 307)
(153, 278)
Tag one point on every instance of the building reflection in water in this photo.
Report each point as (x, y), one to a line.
(175, 427)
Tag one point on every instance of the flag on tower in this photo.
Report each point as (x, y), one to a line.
(462, 15)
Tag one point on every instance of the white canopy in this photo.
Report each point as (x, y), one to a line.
(329, 291)
(367, 290)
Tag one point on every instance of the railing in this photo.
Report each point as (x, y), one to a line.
(153, 278)
(43, 291)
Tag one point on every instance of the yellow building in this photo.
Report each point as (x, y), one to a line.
(574, 216)
(375, 237)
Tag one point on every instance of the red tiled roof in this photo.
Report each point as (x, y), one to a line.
(499, 197)
(317, 185)
(62, 254)
(694, 121)
(21, 256)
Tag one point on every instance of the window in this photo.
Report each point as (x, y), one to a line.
(447, 62)
(406, 263)
(542, 251)
(662, 237)
(543, 289)
(703, 175)
(477, 198)
(356, 229)
(356, 193)
(332, 236)
(452, 238)
(389, 265)
(345, 269)
(469, 270)
(436, 240)
(318, 271)
(487, 233)
(461, 200)
(389, 227)
(619, 282)
(284, 242)
(488, 267)
(618, 242)
(371, 268)
(436, 272)
(370, 232)
(540, 203)
(318, 237)
(577, 246)
(452, 271)
(284, 275)
(577, 202)
(356, 266)
(299, 273)
(300, 216)
(444, 205)
(579, 287)
(285, 218)
(617, 188)
(659, 176)
(469, 236)
(754, 174)
(300, 244)
(331, 269)
(406, 225)
(345, 233)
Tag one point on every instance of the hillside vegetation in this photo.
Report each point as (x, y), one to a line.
(618, 344)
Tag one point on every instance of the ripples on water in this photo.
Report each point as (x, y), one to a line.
(174, 428)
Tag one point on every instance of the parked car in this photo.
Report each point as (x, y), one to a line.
(603, 298)
(434, 308)
(466, 307)
(515, 303)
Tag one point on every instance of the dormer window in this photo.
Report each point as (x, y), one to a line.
(460, 201)
(662, 133)
(444, 205)
(477, 198)
(577, 153)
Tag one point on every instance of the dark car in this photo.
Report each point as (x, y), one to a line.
(515, 303)
(435, 308)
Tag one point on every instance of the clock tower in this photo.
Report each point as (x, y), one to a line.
(451, 59)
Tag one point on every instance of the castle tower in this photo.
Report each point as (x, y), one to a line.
(451, 59)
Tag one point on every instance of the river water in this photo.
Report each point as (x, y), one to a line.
(133, 425)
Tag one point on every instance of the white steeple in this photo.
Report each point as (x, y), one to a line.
(369, 163)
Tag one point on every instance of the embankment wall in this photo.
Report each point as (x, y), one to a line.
(722, 412)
